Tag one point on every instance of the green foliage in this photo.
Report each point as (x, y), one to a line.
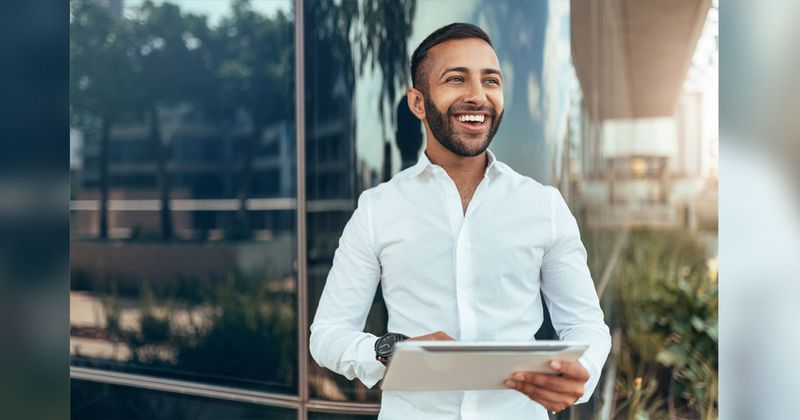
(637, 387)
(112, 312)
(251, 334)
(101, 66)
(666, 304)
(382, 36)
(155, 327)
(689, 321)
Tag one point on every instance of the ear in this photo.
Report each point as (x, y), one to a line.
(416, 103)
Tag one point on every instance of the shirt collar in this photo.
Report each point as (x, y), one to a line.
(424, 163)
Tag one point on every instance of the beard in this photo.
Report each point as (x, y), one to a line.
(463, 144)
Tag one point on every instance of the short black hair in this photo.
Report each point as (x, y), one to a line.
(420, 66)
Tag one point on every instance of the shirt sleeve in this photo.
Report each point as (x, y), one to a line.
(338, 341)
(570, 295)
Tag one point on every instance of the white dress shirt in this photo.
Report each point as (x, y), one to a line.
(475, 276)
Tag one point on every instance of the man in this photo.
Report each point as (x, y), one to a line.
(462, 246)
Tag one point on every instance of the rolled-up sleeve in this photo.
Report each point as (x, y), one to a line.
(338, 341)
(570, 294)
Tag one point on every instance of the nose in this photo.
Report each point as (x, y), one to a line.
(475, 92)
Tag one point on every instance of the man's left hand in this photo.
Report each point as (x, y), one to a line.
(554, 392)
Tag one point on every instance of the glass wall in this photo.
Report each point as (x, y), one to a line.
(183, 252)
(185, 167)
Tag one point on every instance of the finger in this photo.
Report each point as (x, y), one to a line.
(441, 335)
(550, 400)
(425, 337)
(564, 385)
(438, 335)
(556, 399)
(570, 369)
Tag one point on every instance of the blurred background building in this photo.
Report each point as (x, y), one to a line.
(207, 202)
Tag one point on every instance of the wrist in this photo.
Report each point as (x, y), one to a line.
(384, 346)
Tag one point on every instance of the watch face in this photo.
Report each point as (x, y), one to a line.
(385, 345)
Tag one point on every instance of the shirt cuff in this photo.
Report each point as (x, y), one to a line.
(594, 376)
(369, 370)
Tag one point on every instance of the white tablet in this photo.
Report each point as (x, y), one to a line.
(475, 365)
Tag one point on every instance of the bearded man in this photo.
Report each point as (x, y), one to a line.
(464, 248)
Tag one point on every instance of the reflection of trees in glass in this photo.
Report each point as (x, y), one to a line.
(342, 38)
(130, 70)
(243, 331)
(350, 36)
(101, 80)
(408, 133)
(138, 70)
(124, 70)
(251, 334)
(383, 36)
(166, 48)
(253, 65)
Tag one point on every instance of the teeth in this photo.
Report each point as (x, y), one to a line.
(478, 118)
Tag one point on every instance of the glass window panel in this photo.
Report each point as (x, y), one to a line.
(94, 400)
(183, 214)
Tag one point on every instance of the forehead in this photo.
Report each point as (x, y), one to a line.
(472, 53)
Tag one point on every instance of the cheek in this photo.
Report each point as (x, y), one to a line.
(497, 102)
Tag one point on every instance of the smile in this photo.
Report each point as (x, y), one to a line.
(471, 117)
(473, 122)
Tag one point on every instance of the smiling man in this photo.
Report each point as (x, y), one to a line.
(463, 247)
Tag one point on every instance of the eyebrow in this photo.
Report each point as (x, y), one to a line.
(465, 70)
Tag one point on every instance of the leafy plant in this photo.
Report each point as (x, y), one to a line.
(666, 304)
(637, 391)
(691, 332)
(154, 327)
(250, 334)
(112, 311)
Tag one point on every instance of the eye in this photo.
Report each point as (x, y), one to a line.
(495, 81)
(455, 79)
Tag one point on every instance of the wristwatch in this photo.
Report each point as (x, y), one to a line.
(385, 345)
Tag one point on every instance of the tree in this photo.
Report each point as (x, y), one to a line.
(383, 41)
(167, 45)
(100, 80)
(254, 69)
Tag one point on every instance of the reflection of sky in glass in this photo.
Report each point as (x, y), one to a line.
(216, 9)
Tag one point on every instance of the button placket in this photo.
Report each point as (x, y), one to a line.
(465, 274)
(464, 278)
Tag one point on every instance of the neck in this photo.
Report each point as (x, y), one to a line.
(460, 168)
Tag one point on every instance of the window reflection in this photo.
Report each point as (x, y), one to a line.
(183, 191)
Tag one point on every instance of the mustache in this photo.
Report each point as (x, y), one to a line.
(488, 108)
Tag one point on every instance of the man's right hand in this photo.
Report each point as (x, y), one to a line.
(436, 336)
